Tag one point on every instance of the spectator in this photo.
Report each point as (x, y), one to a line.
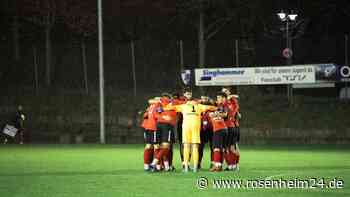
(16, 121)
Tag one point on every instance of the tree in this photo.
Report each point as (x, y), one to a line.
(80, 17)
(211, 17)
(43, 13)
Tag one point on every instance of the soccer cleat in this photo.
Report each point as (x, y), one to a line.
(153, 168)
(185, 169)
(171, 169)
(215, 169)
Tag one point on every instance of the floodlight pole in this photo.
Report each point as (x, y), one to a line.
(289, 62)
(101, 73)
(346, 63)
(287, 18)
(236, 61)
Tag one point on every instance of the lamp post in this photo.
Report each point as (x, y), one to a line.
(288, 52)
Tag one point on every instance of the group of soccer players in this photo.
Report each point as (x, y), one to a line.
(197, 122)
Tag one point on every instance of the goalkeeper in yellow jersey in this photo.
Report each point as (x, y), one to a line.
(191, 111)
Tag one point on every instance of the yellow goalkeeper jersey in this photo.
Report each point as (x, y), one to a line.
(191, 125)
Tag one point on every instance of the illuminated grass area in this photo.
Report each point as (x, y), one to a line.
(117, 170)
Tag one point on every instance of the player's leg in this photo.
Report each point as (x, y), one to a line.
(195, 156)
(168, 138)
(217, 164)
(218, 142)
(156, 146)
(186, 140)
(5, 139)
(235, 148)
(186, 156)
(230, 156)
(166, 133)
(20, 134)
(195, 141)
(148, 151)
(162, 156)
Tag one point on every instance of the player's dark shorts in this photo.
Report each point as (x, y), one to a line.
(232, 137)
(218, 138)
(206, 136)
(167, 132)
(151, 137)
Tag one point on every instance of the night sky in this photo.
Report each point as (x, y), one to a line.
(318, 34)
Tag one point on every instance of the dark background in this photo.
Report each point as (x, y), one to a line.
(156, 27)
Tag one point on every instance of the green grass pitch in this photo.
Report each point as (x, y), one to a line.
(117, 170)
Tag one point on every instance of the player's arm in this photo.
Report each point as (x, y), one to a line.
(223, 113)
(205, 108)
(238, 115)
(177, 108)
(145, 113)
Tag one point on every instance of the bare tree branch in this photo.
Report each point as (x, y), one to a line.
(213, 24)
(209, 36)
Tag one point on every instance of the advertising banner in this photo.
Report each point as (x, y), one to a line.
(255, 75)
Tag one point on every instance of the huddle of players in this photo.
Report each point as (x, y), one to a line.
(198, 122)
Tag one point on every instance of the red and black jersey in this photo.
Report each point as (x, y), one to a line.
(165, 116)
(205, 122)
(218, 123)
(233, 107)
(149, 118)
(179, 101)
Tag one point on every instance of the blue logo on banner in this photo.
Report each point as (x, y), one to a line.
(186, 76)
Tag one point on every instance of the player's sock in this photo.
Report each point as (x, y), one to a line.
(217, 158)
(225, 158)
(222, 156)
(147, 157)
(146, 166)
(155, 160)
(156, 152)
(165, 158)
(231, 157)
(158, 158)
(186, 155)
(195, 155)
